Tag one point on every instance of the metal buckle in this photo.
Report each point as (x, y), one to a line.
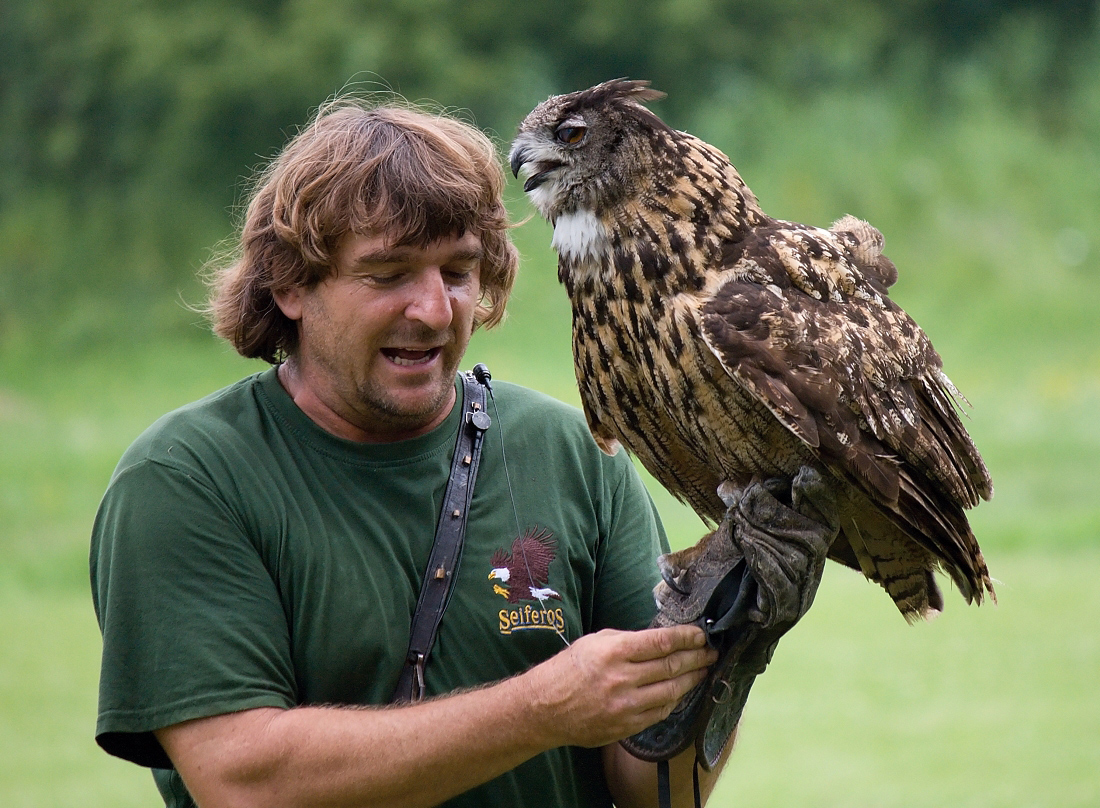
(418, 668)
(480, 419)
(728, 695)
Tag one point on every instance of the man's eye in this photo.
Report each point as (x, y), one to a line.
(570, 135)
(458, 274)
(387, 279)
(463, 266)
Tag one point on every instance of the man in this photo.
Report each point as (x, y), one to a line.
(258, 554)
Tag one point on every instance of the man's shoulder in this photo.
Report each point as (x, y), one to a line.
(216, 421)
(535, 410)
(554, 428)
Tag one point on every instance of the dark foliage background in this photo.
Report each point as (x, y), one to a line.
(127, 127)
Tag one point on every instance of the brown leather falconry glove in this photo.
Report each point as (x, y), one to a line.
(757, 576)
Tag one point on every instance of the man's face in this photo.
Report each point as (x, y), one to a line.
(381, 339)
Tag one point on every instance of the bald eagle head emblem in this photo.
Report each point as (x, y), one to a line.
(524, 572)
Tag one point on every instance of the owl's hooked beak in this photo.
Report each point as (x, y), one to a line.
(521, 155)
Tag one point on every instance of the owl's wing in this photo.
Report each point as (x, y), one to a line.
(843, 366)
(818, 341)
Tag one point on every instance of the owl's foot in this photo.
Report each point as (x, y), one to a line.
(749, 582)
(730, 493)
(679, 570)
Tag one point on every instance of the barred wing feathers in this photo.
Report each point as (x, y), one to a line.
(805, 324)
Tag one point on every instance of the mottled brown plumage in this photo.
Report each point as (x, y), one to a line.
(717, 343)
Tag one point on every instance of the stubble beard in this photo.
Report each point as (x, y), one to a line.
(380, 398)
(370, 402)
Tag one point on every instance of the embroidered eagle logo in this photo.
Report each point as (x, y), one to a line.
(525, 572)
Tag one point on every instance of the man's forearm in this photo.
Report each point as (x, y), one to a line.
(416, 755)
(604, 687)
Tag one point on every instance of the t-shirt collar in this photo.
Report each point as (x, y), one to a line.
(280, 402)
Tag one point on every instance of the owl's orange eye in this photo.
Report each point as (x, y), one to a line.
(570, 135)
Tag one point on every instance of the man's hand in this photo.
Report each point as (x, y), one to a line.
(785, 546)
(612, 684)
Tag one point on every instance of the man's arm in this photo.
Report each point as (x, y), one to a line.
(633, 782)
(604, 687)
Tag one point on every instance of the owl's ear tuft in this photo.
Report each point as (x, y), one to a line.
(620, 90)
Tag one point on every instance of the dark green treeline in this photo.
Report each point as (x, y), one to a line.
(128, 127)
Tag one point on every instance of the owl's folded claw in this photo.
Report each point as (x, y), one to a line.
(730, 493)
(675, 577)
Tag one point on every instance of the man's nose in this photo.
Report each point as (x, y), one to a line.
(431, 303)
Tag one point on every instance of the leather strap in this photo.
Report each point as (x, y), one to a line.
(664, 785)
(439, 577)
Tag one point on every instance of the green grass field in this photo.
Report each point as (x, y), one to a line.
(997, 706)
(992, 707)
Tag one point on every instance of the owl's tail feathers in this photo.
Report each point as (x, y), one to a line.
(903, 560)
(888, 557)
(944, 532)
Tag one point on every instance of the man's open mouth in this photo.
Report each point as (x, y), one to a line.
(407, 357)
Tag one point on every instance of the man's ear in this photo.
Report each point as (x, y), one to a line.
(289, 302)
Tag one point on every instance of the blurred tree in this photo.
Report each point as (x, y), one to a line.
(127, 126)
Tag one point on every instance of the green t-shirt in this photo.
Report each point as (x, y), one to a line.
(244, 557)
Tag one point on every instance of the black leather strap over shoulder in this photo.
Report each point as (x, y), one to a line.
(435, 591)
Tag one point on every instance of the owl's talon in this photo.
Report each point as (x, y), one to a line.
(674, 577)
(730, 493)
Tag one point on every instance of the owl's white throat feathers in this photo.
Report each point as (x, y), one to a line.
(580, 236)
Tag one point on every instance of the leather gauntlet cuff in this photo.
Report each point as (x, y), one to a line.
(756, 577)
(709, 713)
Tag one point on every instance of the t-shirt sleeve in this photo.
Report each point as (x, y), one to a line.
(626, 557)
(192, 621)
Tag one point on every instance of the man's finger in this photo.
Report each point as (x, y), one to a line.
(674, 665)
(654, 643)
(664, 695)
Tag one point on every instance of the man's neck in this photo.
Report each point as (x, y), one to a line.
(347, 423)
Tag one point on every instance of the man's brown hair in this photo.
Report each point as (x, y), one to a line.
(402, 173)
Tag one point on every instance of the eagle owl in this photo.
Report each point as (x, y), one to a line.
(721, 345)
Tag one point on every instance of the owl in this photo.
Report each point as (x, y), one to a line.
(721, 345)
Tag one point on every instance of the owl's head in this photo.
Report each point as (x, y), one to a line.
(588, 149)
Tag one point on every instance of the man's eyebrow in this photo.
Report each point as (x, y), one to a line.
(381, 256)
(384, 255)
(469, 254)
